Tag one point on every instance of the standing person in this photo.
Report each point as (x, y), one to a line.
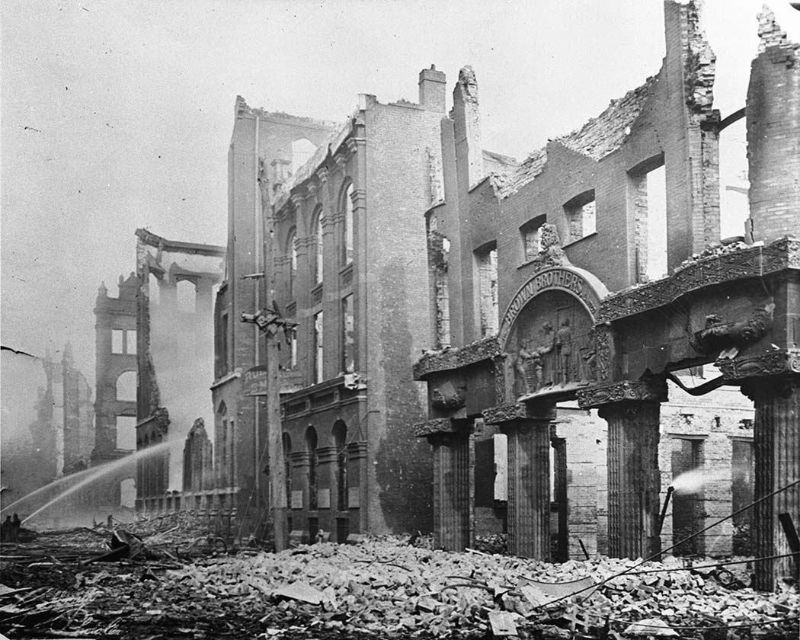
(564, 350)
(16, 523)
(5, 530)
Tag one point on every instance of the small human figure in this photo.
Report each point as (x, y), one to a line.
(5, 530)
(15, 527)
(545, 348)
(564, 350)
(537, 365)
(524, 356)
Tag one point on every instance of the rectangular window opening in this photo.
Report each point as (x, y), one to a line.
(348, 335)
(487, 290)
(650, 217)
(130, 342)
(581, 215)
(117, 341)
(318, 348)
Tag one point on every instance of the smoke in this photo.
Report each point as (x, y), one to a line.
(688, 482)
(182, 349)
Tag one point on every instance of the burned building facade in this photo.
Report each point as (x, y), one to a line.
(568, 306)
(175, 286)
(115, 384)
(358, 298)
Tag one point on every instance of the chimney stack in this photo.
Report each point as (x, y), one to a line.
(432, 89)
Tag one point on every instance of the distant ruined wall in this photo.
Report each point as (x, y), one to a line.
(176, 283)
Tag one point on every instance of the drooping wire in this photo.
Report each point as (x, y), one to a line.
(655, 556)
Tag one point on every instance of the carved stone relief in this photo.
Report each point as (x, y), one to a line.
(551, 345)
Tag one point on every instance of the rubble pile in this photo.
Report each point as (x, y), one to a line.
(386, 588)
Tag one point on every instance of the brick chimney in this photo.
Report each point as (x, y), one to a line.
(432, 89)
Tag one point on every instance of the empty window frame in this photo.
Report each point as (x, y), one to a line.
(291, 252)
(348, 335)
(318, 348)
(486, 263)
(126, 433)
(531, 238)
(117, 341)
(187, 296)
(126, 386)
(302, 150)
(438, 260)
(347, 225)
(581, 216)
(649, 202)
(130, 341)
(319, 254)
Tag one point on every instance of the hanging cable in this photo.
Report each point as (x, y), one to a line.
(677, 544)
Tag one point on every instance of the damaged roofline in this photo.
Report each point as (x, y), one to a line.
(159, 242)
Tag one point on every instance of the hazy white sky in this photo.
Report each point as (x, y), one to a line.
(117, 115)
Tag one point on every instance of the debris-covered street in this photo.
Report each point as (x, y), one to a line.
(62, 584)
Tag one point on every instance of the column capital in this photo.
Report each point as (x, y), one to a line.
(300, 458)
(326, 454)
(652, 389)
(760, 365)
(434, 427)
(769, 387)
(357, 450)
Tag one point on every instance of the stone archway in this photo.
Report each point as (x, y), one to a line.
(547, 333)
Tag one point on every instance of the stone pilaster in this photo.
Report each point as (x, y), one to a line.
(634, 480)
(529, 484)
(776, 433)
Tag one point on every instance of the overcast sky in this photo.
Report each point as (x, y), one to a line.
(118, 115)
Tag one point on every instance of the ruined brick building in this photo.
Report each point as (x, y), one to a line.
(154, 354)
(347, 395)
(561, 335)
(115, 383)
(176, 283)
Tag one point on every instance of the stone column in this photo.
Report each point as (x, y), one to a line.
(776, 435)
(529, 483)
(634, 480)
(452, 476)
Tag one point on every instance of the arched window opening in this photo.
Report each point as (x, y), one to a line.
(311, 448)
(291, 252)
(318, 236)
(287, 466)
(187, 296)
(340, 443)
(126, 387)
(347, 244)
(302, 150)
